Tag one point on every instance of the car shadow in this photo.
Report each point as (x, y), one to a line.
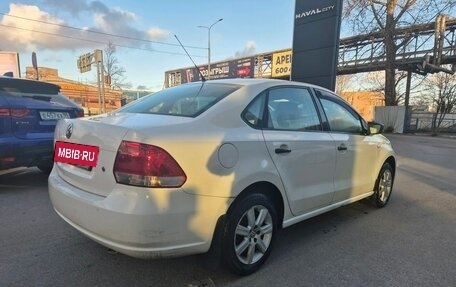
(22, 178)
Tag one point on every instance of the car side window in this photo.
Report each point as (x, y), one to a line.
(292, 109)
(253, 114)
(340, 118)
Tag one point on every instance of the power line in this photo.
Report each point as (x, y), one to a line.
(99, 32)
(98, 42)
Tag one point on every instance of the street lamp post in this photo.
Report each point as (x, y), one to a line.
(209, 46)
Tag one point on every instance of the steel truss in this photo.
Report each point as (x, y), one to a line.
(431, 45)
(366, 53)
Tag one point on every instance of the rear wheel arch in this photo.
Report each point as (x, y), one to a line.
(269, 190)
(263, 187)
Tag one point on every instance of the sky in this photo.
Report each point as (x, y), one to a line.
(148, 47)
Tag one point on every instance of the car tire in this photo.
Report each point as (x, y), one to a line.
(248, 233)
(383, 186)
(46, 169)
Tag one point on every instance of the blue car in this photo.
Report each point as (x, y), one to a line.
(29, 111)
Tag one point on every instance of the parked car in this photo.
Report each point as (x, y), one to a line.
(29, 111)
(240, 158)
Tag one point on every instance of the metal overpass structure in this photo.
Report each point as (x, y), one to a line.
(423, 49)
(434, 43)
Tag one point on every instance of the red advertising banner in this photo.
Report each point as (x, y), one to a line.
(78, 154)
(239, 68)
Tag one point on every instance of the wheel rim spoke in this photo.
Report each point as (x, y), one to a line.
(242, 231)
(251, 217)
(251, 253)
(261, 245)
(243, 246)
(266, 229)
(261, 217)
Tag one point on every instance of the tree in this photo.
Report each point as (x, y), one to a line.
(114, 73)
(375, 81)
(441, 92)
(387, 16)
(343, 83)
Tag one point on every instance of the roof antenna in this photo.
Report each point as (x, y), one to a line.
(202, 77)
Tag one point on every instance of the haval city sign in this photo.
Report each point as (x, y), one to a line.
(316, 42)
(314, 12)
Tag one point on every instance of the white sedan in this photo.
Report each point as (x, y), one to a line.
(242, 158)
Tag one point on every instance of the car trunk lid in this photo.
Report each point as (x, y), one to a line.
(32, 107)
(37, 119)
(105, 132)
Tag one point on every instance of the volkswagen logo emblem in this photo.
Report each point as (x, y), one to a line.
(69, 130)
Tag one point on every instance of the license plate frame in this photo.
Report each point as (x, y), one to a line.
(76, 154)
(53, 115)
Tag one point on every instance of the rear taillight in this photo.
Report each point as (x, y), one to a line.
(7, 160)
(79, 113)
(5, 112)
(147, 165)
(18, 113)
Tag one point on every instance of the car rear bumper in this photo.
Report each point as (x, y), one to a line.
(140, 222)
(25, 152)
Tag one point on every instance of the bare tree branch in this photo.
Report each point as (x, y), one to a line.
(377, 18)
(378, 2)
(406, 8)
(115, 74)
(386, 16)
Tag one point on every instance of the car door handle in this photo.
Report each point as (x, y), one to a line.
(342, 147)
(283, 149)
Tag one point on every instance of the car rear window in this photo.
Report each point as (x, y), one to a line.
(35, 90)
(189, 100)
(27, 86)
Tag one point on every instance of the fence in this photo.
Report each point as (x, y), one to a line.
(393, 118)
(422, 122)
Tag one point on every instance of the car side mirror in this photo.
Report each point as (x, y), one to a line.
(375, 128)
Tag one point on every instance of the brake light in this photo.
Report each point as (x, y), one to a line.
(5, 112)
(7, 160)
(80, 113)
(147, 165)
(19, 113)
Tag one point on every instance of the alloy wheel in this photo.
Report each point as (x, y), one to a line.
(253, 234)
(385, 185)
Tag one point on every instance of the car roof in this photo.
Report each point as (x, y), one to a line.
(259, 81)
(10, 84)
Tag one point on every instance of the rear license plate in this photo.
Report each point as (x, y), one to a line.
(77, 154)
(51, 115)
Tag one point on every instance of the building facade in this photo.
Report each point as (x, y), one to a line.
(85, 95)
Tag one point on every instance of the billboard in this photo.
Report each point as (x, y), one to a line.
(9, 63)
(281, 64)
(316, 42)
(238, 68)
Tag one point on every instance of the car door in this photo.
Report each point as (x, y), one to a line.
(302, 152)
(356, 151)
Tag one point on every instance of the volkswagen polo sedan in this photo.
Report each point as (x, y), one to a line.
(238, 158)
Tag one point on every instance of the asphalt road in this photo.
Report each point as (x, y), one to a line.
(411, 242)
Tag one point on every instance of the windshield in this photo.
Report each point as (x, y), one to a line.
(188, 100)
